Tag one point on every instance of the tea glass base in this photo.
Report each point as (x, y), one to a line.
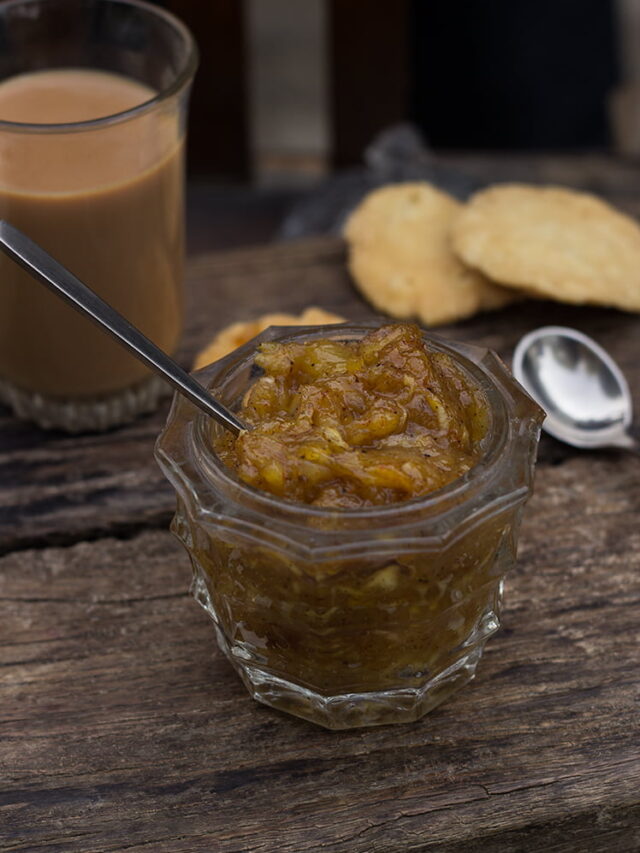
(88, 415)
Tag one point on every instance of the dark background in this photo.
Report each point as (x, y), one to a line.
(513, 73)
(475, 75)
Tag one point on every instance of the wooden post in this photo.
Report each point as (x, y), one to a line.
(218, 129)
(369, 72)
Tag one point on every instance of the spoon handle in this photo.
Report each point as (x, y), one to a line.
(62, 282)
(625, 441)
(634, 448)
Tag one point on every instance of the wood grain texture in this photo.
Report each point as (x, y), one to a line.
(615, 178)
(123, 728)
(58, 489)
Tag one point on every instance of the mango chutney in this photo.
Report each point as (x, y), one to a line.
(357, 423)
(351, 547)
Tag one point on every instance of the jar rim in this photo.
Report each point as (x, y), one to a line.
(182, 78)
(216, 473)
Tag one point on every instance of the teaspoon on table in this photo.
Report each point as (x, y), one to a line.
(33, 258)
(579, 385)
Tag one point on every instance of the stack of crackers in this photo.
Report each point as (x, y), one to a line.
(415, 251)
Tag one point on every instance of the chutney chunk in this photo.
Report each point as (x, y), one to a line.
(353, 424)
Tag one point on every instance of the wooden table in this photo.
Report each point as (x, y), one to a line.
(123, 728)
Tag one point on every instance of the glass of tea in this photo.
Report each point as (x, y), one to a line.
(93, 104)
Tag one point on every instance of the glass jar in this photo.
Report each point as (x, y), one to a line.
(362, 616)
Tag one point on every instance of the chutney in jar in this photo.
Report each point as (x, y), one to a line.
(358, 423)
(351, 546)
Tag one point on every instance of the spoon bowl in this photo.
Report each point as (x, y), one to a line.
(582, 389)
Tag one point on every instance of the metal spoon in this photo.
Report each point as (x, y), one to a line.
(579, 385)
(57, 278)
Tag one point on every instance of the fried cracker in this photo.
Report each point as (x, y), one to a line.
(236, 334)
(552, 242)
(401, 259)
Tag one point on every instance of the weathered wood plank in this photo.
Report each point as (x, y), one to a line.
(60, 489)
(123, 728)
(615, 178)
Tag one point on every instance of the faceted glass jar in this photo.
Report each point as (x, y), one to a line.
(352, 617)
